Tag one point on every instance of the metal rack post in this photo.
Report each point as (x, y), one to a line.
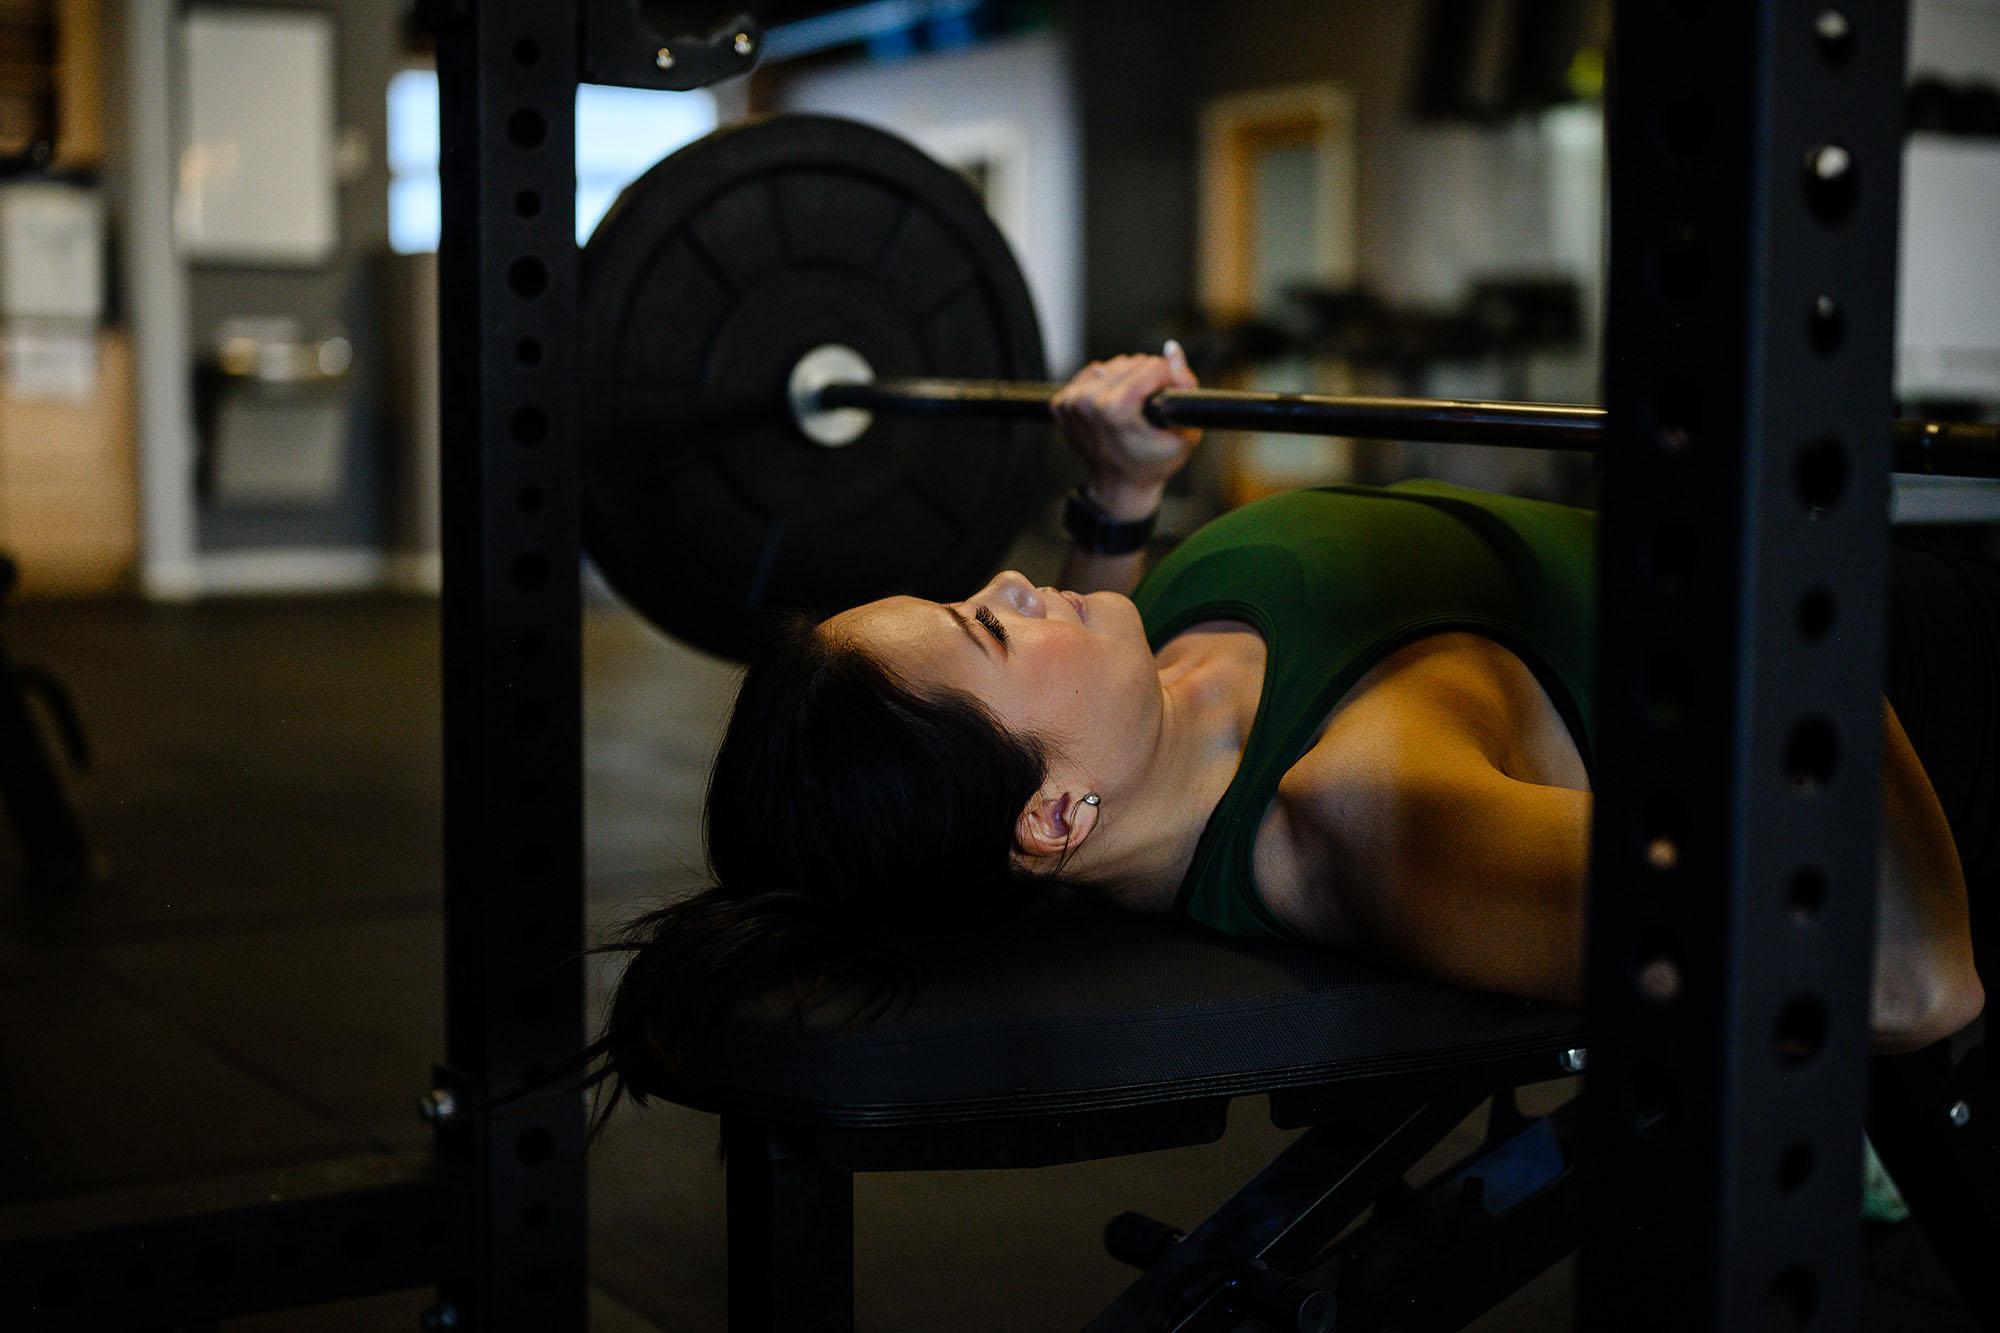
(513, 731)
(1755, 160)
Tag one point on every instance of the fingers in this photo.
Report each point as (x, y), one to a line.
(1110, 396)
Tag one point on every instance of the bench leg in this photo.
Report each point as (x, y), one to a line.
(791, 1235)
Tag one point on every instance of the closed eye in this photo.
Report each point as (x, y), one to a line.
(991, 623)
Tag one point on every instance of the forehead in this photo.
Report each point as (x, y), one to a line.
(904, 631)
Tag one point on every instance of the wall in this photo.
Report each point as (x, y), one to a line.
(176, 308)
(347, 289)
(1015, 91)
(1137, 97)
(1956, 39)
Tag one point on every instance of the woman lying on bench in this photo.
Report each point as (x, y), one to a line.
(1353, 716)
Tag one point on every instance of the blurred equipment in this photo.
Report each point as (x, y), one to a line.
(273, 403)
(1486, 60)
(52, 845)
(1507, 317)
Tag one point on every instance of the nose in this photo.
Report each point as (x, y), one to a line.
(1011, 587)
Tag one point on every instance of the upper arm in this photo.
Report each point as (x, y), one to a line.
(1450, 867)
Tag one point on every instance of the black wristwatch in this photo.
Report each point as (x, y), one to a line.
(1099, 533)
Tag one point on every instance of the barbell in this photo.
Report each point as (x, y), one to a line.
(775, 316)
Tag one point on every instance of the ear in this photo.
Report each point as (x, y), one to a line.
(1051, 824)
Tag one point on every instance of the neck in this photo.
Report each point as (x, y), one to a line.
(1152, 822)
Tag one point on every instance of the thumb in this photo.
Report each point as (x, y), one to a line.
(1177, 364)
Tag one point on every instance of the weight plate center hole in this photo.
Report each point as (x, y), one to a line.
(829, 363)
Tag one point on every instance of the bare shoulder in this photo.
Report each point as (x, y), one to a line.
(1446, 699)
(1437, 711)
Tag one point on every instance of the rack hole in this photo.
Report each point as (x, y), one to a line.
(528, 351)
(1686, 119)
(1673, 557)
(1826, 326)
(531, 573)
(1795, 1167)
(529, 426)
(1834, 33)
(1653, 1097)
(1800, 1034)
(531, 860)
(1794, 1298)
(527, 52)
(528, 276)
(1806, 894)
(1812, 752)
(1677, 408)
(1821, 474)
(1682, 264)
(527, 204)
(1660, 980)
(1669, 690)
(1832, 182)
(535, 1146)
(535, 1216)
(529, 500)
(526, 128)
(1815, 614)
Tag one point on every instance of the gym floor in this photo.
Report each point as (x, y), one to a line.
(259, 981)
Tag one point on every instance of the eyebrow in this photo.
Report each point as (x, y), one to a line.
(983, 642)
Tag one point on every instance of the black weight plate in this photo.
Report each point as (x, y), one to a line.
(712, 275)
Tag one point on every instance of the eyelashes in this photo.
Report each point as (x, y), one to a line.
(992, 625)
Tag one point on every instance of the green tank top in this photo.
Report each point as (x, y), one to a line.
(1335, 579)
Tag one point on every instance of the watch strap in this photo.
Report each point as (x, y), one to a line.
(1099, 533)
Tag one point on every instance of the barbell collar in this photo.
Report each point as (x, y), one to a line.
(1955, 449)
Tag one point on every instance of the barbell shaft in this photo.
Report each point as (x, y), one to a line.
(1955, 449)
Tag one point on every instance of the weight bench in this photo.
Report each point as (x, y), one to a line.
(1081, 1034)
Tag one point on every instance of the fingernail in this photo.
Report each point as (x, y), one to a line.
(1174, 349)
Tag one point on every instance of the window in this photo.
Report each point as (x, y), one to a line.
(619, 133)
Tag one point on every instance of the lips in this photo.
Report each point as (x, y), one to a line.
(1077, 602)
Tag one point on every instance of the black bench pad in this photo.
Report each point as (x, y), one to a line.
(1082, 1011)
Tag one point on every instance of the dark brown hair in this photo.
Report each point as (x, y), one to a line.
(848, 817)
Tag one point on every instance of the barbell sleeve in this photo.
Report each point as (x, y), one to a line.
(1956, 449)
